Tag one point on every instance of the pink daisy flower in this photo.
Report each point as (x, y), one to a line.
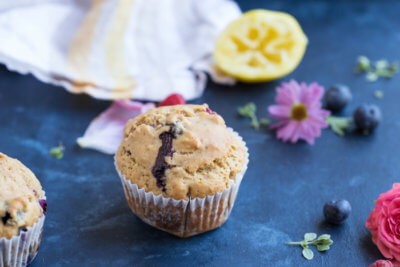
(300, 112)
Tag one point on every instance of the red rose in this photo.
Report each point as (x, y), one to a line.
(384, 224)
(382, 263)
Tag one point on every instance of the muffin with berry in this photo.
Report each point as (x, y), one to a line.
(22, 213)
(181, 168)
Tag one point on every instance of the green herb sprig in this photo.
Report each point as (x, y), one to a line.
(249, 110)
(58, 151)
(374, 70)
(338, 124)
(323, 243)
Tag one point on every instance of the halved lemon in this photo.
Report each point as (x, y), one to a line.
(262, 45)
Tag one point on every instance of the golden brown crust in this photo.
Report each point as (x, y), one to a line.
(20, 192)
(206, 155)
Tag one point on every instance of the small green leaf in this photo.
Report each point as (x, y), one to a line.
(378, 94)
(371, 76)
(310, 236)
(265, 122)
(374, 200)
(308, 254)
(57, 152)
(324, 237)
(322, 248)
(338, 125)
(363, 64)
(326, 242)
(381, 64)
(247, 110)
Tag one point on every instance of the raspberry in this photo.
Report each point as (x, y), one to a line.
(382, 263)
(209, 111)
(173, 99)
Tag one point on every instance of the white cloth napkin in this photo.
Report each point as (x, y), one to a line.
(116, 49)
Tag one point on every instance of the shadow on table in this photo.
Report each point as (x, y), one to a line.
(370, 250)
(117, 225)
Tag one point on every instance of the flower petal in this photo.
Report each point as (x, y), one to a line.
(279, 112)
(286, 131)
(106, 131)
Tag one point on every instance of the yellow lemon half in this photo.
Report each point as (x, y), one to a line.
(261, 45)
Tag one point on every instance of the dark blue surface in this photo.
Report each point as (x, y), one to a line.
(283, 192)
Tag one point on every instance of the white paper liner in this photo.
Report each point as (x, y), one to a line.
(183, 218)
(22, 249)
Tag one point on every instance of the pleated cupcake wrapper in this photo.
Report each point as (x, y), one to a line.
(183, 218)
(21, 250)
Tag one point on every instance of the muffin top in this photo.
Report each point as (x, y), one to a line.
(20, 192)
(182, 151)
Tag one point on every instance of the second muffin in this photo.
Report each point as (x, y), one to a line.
(181, 168)
(22, 213)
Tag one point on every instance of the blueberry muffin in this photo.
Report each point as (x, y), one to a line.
(22, 212)
(181, 167)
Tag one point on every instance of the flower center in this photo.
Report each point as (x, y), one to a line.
(299, 112)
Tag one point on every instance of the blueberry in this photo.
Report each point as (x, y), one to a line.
(6, 218)
(336, 211)
(337, 97)
(166, 150)
(367, 116)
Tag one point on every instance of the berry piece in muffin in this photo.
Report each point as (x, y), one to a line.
(166, 150)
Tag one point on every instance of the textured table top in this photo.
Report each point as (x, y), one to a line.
(282, 194)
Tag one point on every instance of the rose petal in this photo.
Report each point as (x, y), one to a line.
(106, 131)
(382, 263)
